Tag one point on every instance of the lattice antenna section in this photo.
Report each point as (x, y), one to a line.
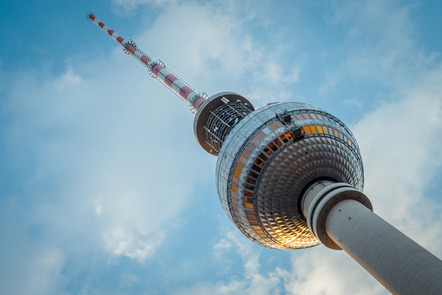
(157, 69)
(165, 79)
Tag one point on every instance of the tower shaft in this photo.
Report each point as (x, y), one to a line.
(157, 68)
(392, 258)
(341, 218)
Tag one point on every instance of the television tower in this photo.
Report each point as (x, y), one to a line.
(290, 176)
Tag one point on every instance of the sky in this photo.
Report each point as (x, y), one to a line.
(103, 188)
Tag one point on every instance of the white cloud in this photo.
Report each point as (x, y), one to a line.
(68, 78)
(44, 269)
(106, 144)
(253, 281)
(131, 5)
(323, 271)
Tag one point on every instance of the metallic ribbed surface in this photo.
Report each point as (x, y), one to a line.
(222, 120)
(270, 157)
(216, 117)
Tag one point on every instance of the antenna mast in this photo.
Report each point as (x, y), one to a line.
(157, 69)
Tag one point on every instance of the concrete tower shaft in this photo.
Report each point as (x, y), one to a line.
(341, 217)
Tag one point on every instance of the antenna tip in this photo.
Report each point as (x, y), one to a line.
(90, 15)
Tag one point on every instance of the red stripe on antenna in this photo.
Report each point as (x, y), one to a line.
(131, 48)
(120, 39)
(169, 79)
(157, 68)
(101, 24)
(185, 91)
(145, 60)
(198, 102)
(110, 32)
(92, 17)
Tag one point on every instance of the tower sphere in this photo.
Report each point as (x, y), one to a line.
(269, 159)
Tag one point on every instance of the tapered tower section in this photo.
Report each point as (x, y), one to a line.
(290, 176)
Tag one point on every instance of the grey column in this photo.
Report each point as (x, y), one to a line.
(341, 217)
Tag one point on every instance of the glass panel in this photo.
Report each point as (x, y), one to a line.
(247, 205)
(289, 135)
(277, 142)
(259, 162)
(255, 140)
(307, 130)
(273, 126)
(256, 168)
(261, 135)
(313, 129)
(263, 157)
(320, 129)
(268, 151)
(272, 146)
(249, 194)
(250, 186)
(299, 117)
(250, 212)
(246, 153)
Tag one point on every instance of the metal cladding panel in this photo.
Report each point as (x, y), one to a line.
(269, 158)
(216, 117)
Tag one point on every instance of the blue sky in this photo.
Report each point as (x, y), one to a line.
(103, 188)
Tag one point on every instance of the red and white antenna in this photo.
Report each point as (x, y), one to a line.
(157, 69)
